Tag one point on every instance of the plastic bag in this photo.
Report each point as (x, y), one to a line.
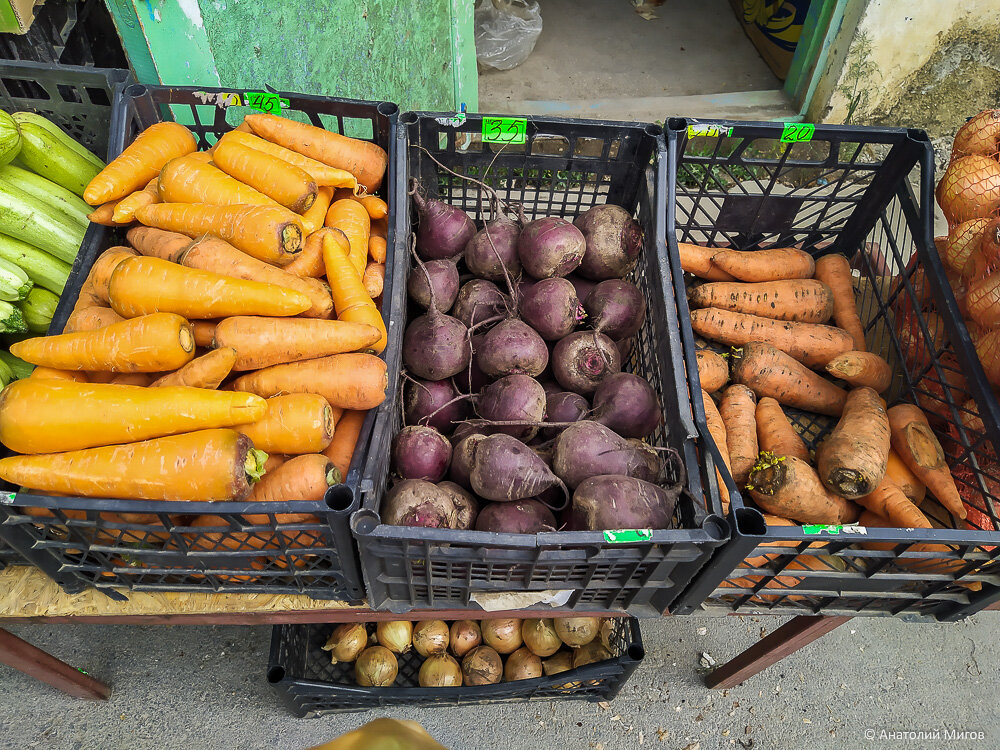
(506, 32)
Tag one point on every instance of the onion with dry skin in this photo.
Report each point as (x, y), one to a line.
(465, 636)
(980, 135)
(482, 666)
(606, 632)
(540, 636)
(395, 635)
(577, 631)
(440, 670)
(522, 665)
(430, 637)
(589, 654)
(346, 642)
(376, 667)
(561, 662)
(503, 634)
(970, 188)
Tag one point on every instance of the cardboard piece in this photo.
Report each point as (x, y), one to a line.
(774, 27)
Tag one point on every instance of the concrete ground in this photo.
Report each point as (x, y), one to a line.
(204, 687)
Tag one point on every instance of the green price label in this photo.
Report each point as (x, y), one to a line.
(265, 101)
(712, 131)
(838, 529)
(797, 132)
(506, 130)
(621, 536)
(7, 498)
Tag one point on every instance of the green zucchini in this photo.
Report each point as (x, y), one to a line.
(10, 138)
(49, 154)
(11, 319)
(14, 282)
(56, 196)
(38, 308)
(28, 219)
(18, 366)
(58, 132)
(47, 272)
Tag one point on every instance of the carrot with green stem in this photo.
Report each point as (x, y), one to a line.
(322, 174)
(717, 430)
(851, 461)
(773, 264)
(345, 439)
(352, 219)
(861, 369)
(350, 299)
(285, 183)
(207, 371)
(140, 162)
(737, 409)
(348, 381)
(697, 260)
(835, 272)
(124, 212)
(799, 300)
(263, 342)
(203, 466)
(295, 423)
(775, 433)
(770, 372)
(158, 243)
(713, 372)
(789, 487)
(315, 215)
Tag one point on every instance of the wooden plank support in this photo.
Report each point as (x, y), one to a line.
(32, 661)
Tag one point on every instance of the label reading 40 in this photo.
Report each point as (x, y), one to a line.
(797, 132)
(506, 130)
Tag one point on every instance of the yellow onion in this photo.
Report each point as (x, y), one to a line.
(376, 667)
(504, 634)
(980, 135)
(963, 242)
(561, 662)
(540, 637)
(346, 642)
(970, 188)
(465, 636)
(522, 665)
(577, 631)
(606, 632)
(482, 666)
(430, 637)
(440, 670)
(395, 635)
(590, 653)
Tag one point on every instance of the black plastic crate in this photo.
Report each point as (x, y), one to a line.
(564, 168)
(866, 193)
(75, 32)
(152, 546)
(309, 685)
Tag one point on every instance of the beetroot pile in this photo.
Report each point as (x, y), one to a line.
(519, 417)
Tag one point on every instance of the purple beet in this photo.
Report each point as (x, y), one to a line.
(587, 449)
(461, 460)
(512, 347)
(616, 308)
(466, 505)
(614, 241)
(442, 286)
(505, 469)
(514, 398)
(628, 405)
(564, 406)
(517, 517)
(473, 379)
(416, 502)
(423, 398)
(479, 300)
(625, 347)
(582, 285)
(619, 502)
(552, 308)
(421, 453)
(443, 231)
(550, 247)
(583, 359)
(436, 346)
(549, 386)
(494, 248)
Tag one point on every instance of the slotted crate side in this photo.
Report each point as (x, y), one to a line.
(163, 546)
(564, 168)
(309, 685)
(864, 192)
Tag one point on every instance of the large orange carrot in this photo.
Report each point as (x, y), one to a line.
(377, 240)
(919, 449)
(352, 219)
(697, 260)
(851, 461)
(374, 279)
(350, 381)
(50, 373)
(310, 261)
(800, 300)
(861, 368)
(204, 332)
(323, 174)
(105, 215)
(140, 162)
(315, 215)
(366, 161)
(712, 370)
(205, 466)
(218, 256)
(345, 439)
(192, 180)
(765, 265)
(812, 344)
(158, 243)
(91, 318)
(350, 299)
(152, 343)
(140, 286)
(294, 423)
(263, 342)
(771, 372)
(283, 182)
(206, 371)
(789, 487)
(94, 292)
(888, 500)
(303, 478)
(268, 233)
(717, 429)
(775, 433)
(50, 416)
(835, 272)
(124, 211)
(905, 479)
(737, 411)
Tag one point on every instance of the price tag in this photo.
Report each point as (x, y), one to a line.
(507, 130)
(265, 101)
(835, 530)
(797, 132)
(7, 498)
(712, 131)
(621, 536)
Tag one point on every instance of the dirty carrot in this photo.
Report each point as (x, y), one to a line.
(322, 174)
(152, 343)
(313, 218)
(861, 368)
(888, 501)
(800, 300)
(124, 211)
(717, 429)
(835, 272)
(775, 433)
(206, 371)
(140, 162)
(350, 299)
(905, 479)
(789, 487)
(294, 423)
(771, 372)
(351, 218)
(773, 264)
(263, 342)
(919, 449)
(204, 332)
(851, 461)
(285, 183)
(158, 243)
(712, 370)
(345, 437)
(374, 279)
(697, 260)
(737, 411)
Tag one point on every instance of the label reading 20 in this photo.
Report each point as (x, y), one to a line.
(506, 130)
(797, 132)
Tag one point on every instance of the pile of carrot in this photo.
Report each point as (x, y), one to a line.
(797, 341)
(230, 350)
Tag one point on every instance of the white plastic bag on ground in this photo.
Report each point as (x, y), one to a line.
(506, 32)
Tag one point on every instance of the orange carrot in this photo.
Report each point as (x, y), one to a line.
(351, 218)
(737, 411)
(124, 212)
(851, 461)
(283, 182)
(140, 162)
(374, 279)
(50, 416)
(274, 460)
(800, 300)
(888, 500)
(697, 260)
(350, 381)
(268, 233)
(157, 243)
(49, 373)
(303, 478)
(861, 369)
(90, 319)
(375, 206)
(712, 370)
(905, 479)
(377, 240)
(771, 372)
(204, 332)
(105, 215)
(775, 433)
(366, 161)
(918, 447)
(140, 286)
(310, 261)
(323, 174)
(99, 376)
(345, 438)
(315, 215)
(141, 379)
(208, 465)
(192, 180)
(835, 272)
(717, 429)
(96, 288)
(349, 297)
(789, 487)
(206, 371)
(152, 343)
(295, 423)
(263, 342)
(772, 264)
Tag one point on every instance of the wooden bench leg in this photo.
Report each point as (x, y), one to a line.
(787, 639)
(32, 661)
